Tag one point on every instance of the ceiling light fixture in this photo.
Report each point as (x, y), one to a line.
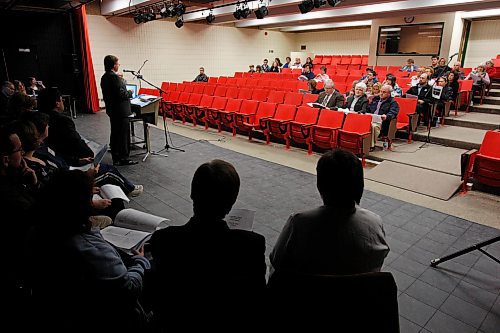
(210, 18)
(334, 3)
(262, 11)
(180, 9)
(179, 23)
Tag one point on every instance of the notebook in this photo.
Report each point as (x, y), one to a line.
(133, 88)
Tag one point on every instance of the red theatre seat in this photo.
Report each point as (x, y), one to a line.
(355, 134)
(407, 117)
(211, 113)
(293, 98)
(299, 129)
(249, 123)
(277, 125)
(484, 165)
(198, 112)
(324, 133)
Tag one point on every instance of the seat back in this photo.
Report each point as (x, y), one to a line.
(276, 97)
(331, 119)
(233, 105)
(232, 92)
(209, 89)
(213, 80)
(466, 85)
(309, 98)
(259, 95)
(406, 106)
(194, 99)
(245, 93)
(222, 80)
(286, 70)
(220, 91)
(357, 123)
(184, 98)
(265, 110)
(285, 112)
(293, 98)
(206, 101)
(198, 89)
(249, 106)
(231, 81)
(490, 146)
(352, 303)
(306, 115)
(219, 103)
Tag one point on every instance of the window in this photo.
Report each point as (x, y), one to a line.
(415, 39)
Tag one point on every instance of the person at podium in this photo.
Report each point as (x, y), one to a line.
(117, 100)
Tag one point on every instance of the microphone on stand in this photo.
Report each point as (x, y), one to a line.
(453, 55)
(128, 71)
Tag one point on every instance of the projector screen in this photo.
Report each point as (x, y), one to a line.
(414, 39)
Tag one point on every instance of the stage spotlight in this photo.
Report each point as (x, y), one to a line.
(319, 3)
(180, 9)
(306, 6)
(334, 3)
(179, 23)
(138, 18)
(244, 12)
(210, 18)
(167, 11)
(261, 12)
(237, 14)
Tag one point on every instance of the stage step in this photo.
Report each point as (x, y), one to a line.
(491, 100)
(486, 108)
(495, 85)
(452, 136)
(495, 92)
(477, 120)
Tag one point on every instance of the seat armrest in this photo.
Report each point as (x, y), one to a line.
(467, 161)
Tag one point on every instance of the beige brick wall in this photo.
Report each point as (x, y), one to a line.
(340, 41)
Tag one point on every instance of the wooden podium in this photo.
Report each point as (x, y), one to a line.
(145, 109)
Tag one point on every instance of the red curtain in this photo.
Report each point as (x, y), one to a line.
(91, 100)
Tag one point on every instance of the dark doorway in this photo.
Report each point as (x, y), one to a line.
(21, 62)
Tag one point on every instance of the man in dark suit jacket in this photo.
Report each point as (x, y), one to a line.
(204, 259)
(424, 96)
(330, 98)
(117, 100)
(385, 106)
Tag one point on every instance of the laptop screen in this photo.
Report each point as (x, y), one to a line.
(133, 88)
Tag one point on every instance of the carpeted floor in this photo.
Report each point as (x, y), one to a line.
(462, 295)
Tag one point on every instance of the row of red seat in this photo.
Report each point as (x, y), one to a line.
(340, 60)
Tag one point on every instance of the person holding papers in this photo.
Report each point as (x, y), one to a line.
(331, 98)
(117, 100)
(357, 102)
(387, 108)
(421, 90)
(88, 284)
(204, 262)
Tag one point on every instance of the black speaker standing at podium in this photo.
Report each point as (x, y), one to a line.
(117, 100)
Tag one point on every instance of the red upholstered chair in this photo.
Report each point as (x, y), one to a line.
(209, 89)
(286, 71)
(276, 126)
(232, 92)
(260, 95)
(324, 133)
(309, 98)
(346, 60)
(241, 82)
(293, 98)
(173, 97)
(407, 118)
(335, 60)
(188, 87)
(302, 85)
(355, 134)
(245, 93)
(356, 60)
(466, 70)
(356, 73)
(198, 89)
(464, 94)
(364, 60)
(197, 112)
(213, 80)
(250, 122)
(238, 74)
(340, 78)
(299, 129)
(327, 59)
(484, 165)
(211, 113)
(226, 117)
(247, 108)
(317, 60)
(290, 85)
(276, 97)
(178, 106)
(187, 108)
(393, 69)
(343, 72)
(220, 91)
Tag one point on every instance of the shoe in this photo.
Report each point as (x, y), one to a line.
(138, 189)
(100, 221)
(125, 162)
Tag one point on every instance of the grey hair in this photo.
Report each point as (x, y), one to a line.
(329, 82)
(388, 86)
(361, 85)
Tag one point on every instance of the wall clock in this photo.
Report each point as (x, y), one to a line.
(409, 19)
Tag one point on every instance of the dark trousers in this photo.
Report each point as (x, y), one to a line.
(423, 111)
(120, 138)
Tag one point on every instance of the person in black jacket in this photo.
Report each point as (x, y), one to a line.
(385, 106)
(446, 95)
(117, 100)
(422, 90)
(357, 102)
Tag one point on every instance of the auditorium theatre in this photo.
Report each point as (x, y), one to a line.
(307, 162)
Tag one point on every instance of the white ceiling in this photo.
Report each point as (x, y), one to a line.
(285, 15)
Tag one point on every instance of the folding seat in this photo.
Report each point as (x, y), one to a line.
(355, 134)
(363, 68)
(173, 97)
(317, 59)
(245, 93)
(290, 85)
(340, 78)
(197, 112)
(276, 126)
(238, 74)
(232, 92)
(226, 116)
(231, 81)
(222, 80)
(286, 71)
(293, 98)
(327, 59)
(249, 123)
(248, 108)
(276, 85)
(209, 90)
(342, 87)
(324, 133)
(399, 74)
(252, 83)
(173, 86)
(213, 80)
(346, 60)
(263, 84)
(178, 107)
(407, 118)
(341, 72)
(260, 95)
(309, 98)
(256, 75)
(188, 88)
(297, 71)
(181, 87)
(350, 79)
(241, 82)
(299, 129)
(220, 91)
(355, 60)
(464, 94)
(142, 91)
(330, 70)
(380, 68)
(165, 86)
(320, 85)
(353, 67)
(364, 60)
(381, 75)
(247, 75)
(357, 73)
(484, 165)
(211, 113)
(198, 89)
(466, 70)
(188, 108)
(276, 97)
(393, 69)
(335, 60)
(302, 85)
(346, 67)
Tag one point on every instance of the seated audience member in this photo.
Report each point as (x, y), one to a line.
(322, 76)
(370, 78)
(391, 80)
(202, 77)
(409, 67)
(358, 102)
(489, 67)
(443, 68)
(309, 62)
(373, 91)
(251, 69)
(6, 93)
(274, 67)
(90, 274)
(20, 103)
(453, 84)
(338, 238)
(434, 65)
(446, 95)
(416, 78)
(458, 72)
(353, 88)
(306, 74)
(312, 87)
(431, 74)
(278, 61)
(204, 259)
(19, 86)
(287, 64)
(330, 98)
(480, 79)
(265, 67)
(34, 86)
(422, 90)
(385, 106)
(258, 69)
(297, 63)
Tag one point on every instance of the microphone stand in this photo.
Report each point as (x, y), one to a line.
(165, 130)
(433, 107)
